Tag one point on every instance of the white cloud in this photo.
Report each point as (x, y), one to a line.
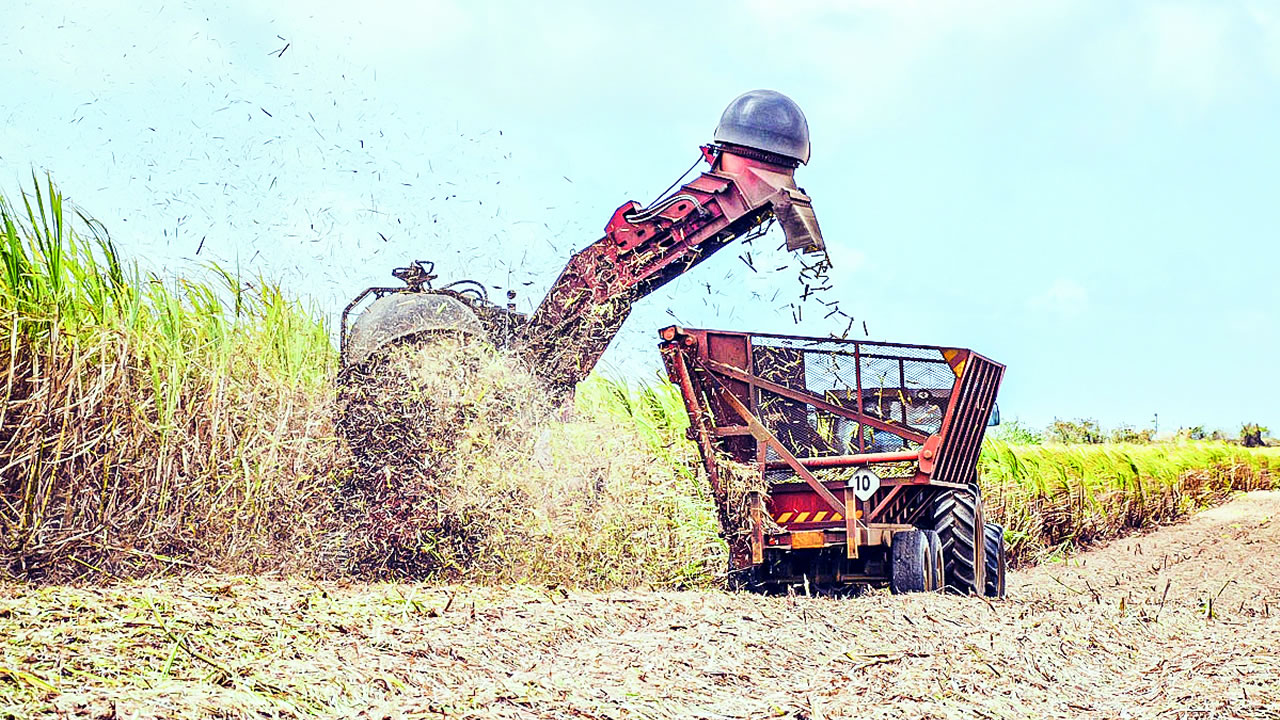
(1065, 298)
(1251, 323)
(882, 55)
(1190, 50)
(1188, 55)
(1266, 18)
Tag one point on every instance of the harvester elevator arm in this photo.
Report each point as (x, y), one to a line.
(761, 139)
(644, 248)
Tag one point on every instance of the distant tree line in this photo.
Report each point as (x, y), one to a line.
(1089, 432)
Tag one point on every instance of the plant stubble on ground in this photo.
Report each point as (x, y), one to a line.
(1180, 622)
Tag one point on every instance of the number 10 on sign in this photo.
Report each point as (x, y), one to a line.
(864, 483)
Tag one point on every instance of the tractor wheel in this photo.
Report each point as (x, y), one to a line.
(996, 562)
(957, 518)
(937, 568)
(910, 566)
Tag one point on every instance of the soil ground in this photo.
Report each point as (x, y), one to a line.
(1183, 622)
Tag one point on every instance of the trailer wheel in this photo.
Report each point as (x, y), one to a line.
(910, 564)
(937, 567)
(957, 518)
(996, 561)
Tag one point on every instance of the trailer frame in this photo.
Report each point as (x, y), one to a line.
(770, 403)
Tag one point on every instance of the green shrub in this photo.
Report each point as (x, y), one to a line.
(1075, 432)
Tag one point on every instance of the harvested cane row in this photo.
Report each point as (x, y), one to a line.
(1179, 623)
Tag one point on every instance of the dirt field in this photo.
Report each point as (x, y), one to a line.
(1180, 623)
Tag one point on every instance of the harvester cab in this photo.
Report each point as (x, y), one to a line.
(761, 139)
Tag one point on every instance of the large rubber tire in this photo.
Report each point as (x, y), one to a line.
(909, 562)
(996, 563)
(937, 566)
(957, 518)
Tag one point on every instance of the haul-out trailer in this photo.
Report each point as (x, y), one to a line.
(840, 462)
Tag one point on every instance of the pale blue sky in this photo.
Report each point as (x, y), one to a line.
(1084, 190)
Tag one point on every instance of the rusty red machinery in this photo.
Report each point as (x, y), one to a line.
(842, 462)
(866, 476)
(750, 181)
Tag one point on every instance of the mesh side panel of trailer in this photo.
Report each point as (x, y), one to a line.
(903, 386)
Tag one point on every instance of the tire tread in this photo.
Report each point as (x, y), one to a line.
(955, 515)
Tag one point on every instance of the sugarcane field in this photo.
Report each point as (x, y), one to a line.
(337, 383)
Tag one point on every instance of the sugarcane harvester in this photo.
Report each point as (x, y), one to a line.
(761, 139)
(831, 462)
